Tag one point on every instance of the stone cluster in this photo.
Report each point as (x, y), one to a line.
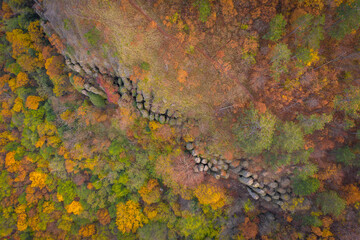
(128, 91)
(275, 191)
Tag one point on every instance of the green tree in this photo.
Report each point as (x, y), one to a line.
(255, 131)
(313, 122)
(153, 230)
(277, 28)
(309, 31)
(331, 203)
(97, 100)
(279, 58)
(348, 19)
(304, 187)
(290, 138)
(346, 156)
(349, 102)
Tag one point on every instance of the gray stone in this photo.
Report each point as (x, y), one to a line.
(252, 194)
(201, 167)
(145, 113)
(127, 83)
(246, 181)
(147, 105)
(194, 152)
(281, 190)
(245, 173)
(152, 116)
(84, 92)
(206, 168)
(255, 185)
(276, 196)
(273, 185)
(204, 161)
(267, 198)
(214, 161)
(237, 170)
(162, 119)
(196, 169)
(279, 202)
(259, 191)
(123, 90)
(285, 183)
(157, 116)
(221, 162)
(209, 164)
(227, 161)
(77, 68)
(245, 164)
(214, 169)
(189, 146)
(139, 98)
(197, 160)
(134, 93)
(140, 106)
(285, 197)
(225, 167)
(255, 176)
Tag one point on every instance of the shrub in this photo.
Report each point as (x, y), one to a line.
(345, 155)
(204, 9)
(331, 203)
(97, 100)
(255, 131)
(93, 36)
(303, 187)
(211, 195)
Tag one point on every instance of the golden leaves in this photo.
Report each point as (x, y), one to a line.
(75, 207)
(129, 217)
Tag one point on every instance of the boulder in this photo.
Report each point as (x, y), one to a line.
(255, 184)
(225, 167)
(259, 191)
(139, 98)
(252, 194)
(273, 185)
(214, 169)
(189, 146)
(152, 116)
(276, 196)
(279, 202)
(246, 181)
(281, 190)
(204, 161)
(284, 183)
(147, 105)
(224, 174)
(140, 106)
(162, 119)
(201, 167)
(209, 164)
(194, 152)
(285, 197)
(214, 161)
(196, 169)
(77, 68)
(236, 170)
(245, 164)
(245, 173)
(145, 113)
(197, 160)
(206, 168)
(267, 198)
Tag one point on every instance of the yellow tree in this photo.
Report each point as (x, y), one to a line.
(211, 195)
(129, 217)
(150, 193)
